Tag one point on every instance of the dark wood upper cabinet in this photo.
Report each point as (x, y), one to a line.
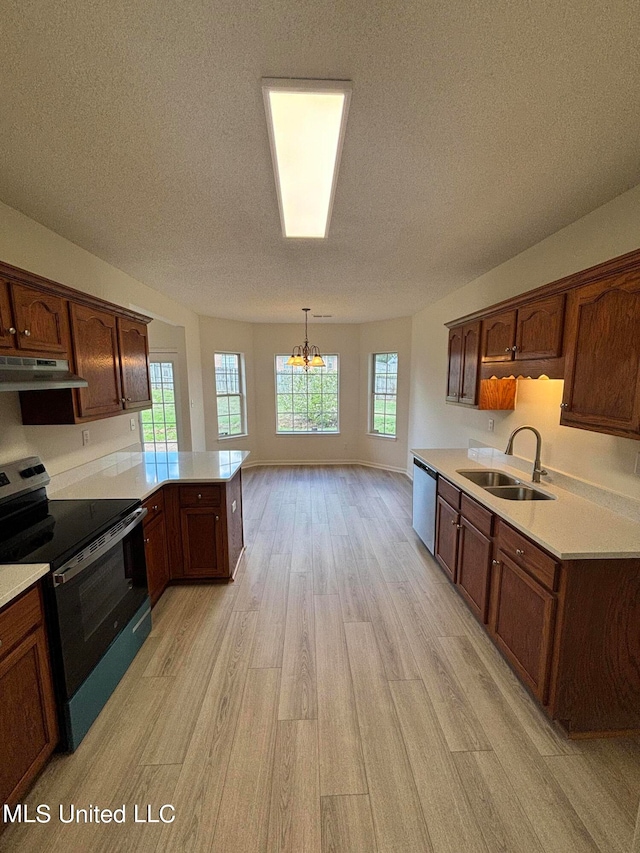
(134, 363)
(539, 328)
(454, 375)
(499, 337)
(41, 320)
(470, 363)
(8, 330)
(602, 370)
(95, 349)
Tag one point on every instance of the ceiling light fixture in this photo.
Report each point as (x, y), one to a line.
(306, 120)
(306, 356)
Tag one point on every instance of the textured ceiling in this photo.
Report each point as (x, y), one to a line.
(477, 128)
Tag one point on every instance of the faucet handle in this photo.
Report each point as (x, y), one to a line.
(544, 472)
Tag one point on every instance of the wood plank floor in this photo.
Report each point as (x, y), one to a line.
(337, 698)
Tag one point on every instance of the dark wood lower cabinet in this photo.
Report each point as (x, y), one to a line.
(201, 543)
(474, 568)
(28, 725)
(157, 557)
(522, 623)
(447, 520)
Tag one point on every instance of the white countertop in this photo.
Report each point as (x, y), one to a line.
(570, 527)
(123, 475)
(138, 475)
(15, 579)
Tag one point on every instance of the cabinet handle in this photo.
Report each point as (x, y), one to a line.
(155, 508)
(199, 497)
(507, 349)
(11, 330)
(519, 552)
(123, 399)
(146, 541)
(27, 333)
(217, 518)
(453, 521)
(495, 562)
(564, 405)
(515, 349)
(128, 399)
(459, 526)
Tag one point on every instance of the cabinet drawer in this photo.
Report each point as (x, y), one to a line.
(154, 505)
(200, 495)
(449, 492)
(18, 618)
(522, 551)
(480, 517)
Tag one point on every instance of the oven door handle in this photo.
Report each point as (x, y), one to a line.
(104, 543)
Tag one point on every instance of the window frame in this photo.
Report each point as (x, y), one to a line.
(242, 395)
(165, 358)
(275, 377)
(373, 394)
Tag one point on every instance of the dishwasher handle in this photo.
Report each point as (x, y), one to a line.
(425, 468)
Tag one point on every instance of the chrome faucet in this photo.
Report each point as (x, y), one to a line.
(537, 469)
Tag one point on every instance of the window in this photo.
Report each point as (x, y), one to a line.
(229, 393)
(384, 392)
(307, 401)
(160, 423)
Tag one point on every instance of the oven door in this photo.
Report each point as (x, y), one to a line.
(96, 593)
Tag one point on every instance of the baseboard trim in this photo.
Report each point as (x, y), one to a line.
(314, 462)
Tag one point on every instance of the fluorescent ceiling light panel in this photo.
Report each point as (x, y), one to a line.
(306, 121)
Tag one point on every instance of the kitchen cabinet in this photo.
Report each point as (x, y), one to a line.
(28, 724)
(95, 349)
(134, 358)
(156, 546)
(201, 542)
(464, 353)
(533, 331)
(463, 550)
(522, 623)
(32, 323)
(602, 370)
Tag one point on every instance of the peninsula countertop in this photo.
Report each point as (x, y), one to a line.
(570, 527)
(138, 475)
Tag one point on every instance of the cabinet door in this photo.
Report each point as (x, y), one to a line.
(40, 319)
(499, 337)
(134, 364)
(522, 624)
(540, 327)
(602, 368)
(474, 568)
(8, 330)
(95, 346)
(28, 727)
(470, 363)
(157, 557)
(446, 537)
(454, 376)
(201, 542)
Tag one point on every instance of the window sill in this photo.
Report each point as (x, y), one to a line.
(326, 434)
(381, 435)
(235, 435)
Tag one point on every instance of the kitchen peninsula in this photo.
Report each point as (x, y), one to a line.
(193, 529)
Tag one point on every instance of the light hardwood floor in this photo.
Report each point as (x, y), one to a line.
(337, 698)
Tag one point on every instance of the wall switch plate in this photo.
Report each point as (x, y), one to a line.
(491, 424)
(132, 424)
(86, 438)
(637, 468)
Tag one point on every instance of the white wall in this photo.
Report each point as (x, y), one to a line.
(27, 244)
(385, 336)
(611, 230)
(228, 336)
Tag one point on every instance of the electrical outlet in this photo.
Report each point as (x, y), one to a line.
(233, 506)
(491, 424)
(637, 468)
(132, 424)
(86, 438)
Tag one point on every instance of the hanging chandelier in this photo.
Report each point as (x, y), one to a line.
(306, 356)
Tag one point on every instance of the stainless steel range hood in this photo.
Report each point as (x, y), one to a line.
(37, 374)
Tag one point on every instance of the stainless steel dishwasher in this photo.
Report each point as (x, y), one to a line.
(424, 502)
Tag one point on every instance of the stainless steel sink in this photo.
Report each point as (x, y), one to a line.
(489, 478)
(518, 493)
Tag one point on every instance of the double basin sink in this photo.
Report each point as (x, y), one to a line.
(505, 486)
